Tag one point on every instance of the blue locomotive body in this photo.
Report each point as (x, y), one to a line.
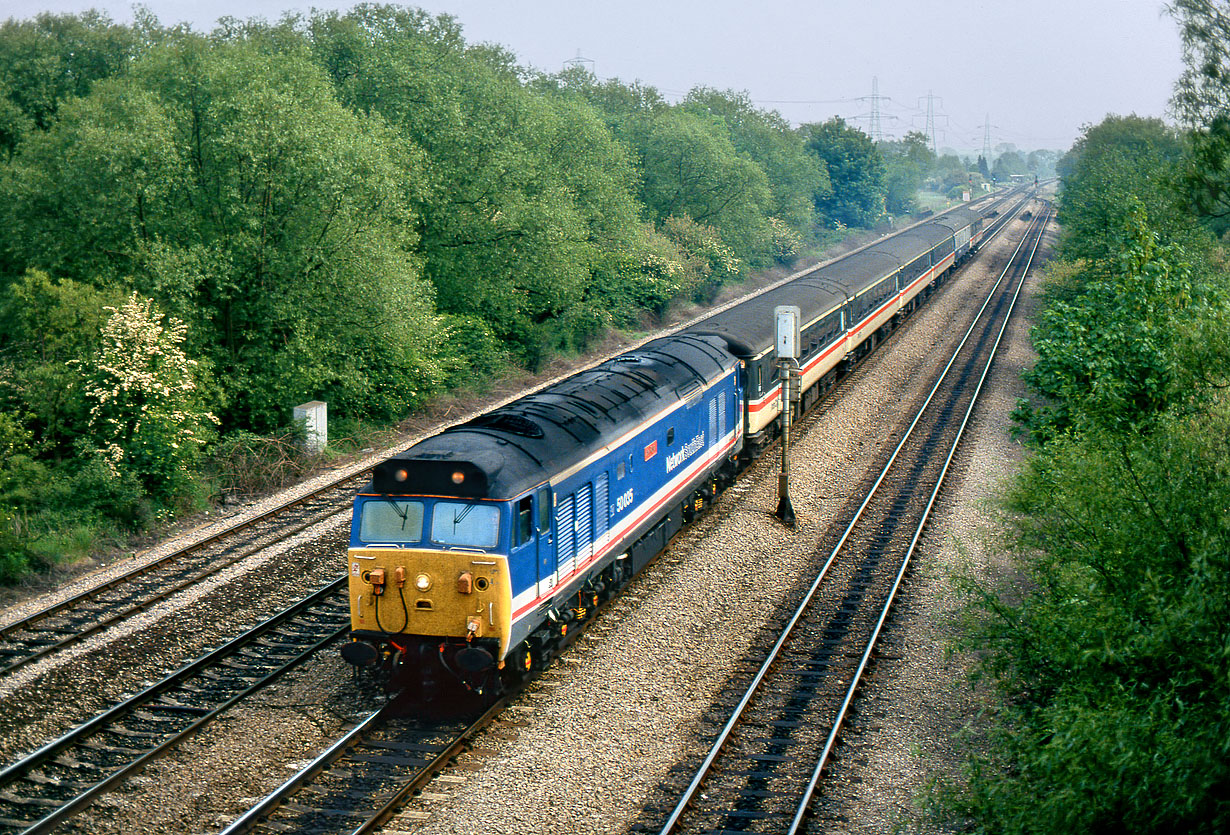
(484, 542)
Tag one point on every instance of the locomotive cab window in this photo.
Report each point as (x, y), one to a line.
(466, 525)
(670, 435)
(523, 531)
(621, 470)
(544, 510)
(388, 520)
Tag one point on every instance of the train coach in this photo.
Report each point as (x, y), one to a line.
(846, 308)
(472, 552)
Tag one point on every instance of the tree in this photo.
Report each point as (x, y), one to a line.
(794, 176)
(145, 416)
(528, 193)
(1121, 162)
(1107, 647)
(1008, 165)
(1202, 102)
(230, 185)
(907, 163)
(45, 325)
(1110, 356)
(951, 173)
(856, 171)
(691, 168)
(51, 58)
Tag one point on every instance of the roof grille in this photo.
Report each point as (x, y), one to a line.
(512, 424)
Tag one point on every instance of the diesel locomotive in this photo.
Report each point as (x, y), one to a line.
(473, 553)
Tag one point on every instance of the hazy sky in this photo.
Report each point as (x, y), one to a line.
(1039, 69)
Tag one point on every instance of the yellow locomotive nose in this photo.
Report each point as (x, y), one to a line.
(453, 595)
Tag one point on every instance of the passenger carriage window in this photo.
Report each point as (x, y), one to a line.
(524, 530)
(467, 525)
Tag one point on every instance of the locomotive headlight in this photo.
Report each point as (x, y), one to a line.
(422, 582)
(459, 477)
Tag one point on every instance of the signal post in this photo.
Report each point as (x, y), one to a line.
(788, 372)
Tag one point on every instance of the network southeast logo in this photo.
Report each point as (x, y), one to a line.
(689, 449)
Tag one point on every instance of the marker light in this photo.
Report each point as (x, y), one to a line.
(458, 477)
(422, 582)
(400, 475)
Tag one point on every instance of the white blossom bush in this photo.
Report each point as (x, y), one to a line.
(145, 414)
(785, 241)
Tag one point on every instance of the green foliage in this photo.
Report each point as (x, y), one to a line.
(906, 164)
(357, 207)
(233, 188)
(1041, 163)
(1113, 667)
(1008, 164)
(784, 242)
(526, 193)
(794, 176)
(856, 173)
(647, 278)
(949, 173)
(1109, 652)
(45, 324)
(52, 58)
(1118, 164)
(1201, 101)
(21, 477)
(690, 167)
(713, 262)
(473, 349)
(1110, 354)
(145, 416)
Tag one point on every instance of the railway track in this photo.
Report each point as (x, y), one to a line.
(42, 790)
(72, 620)
(362, 780)
(766, 763)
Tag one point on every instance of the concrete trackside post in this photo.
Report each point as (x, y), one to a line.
(314, 417)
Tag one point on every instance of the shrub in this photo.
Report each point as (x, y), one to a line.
(145, 418)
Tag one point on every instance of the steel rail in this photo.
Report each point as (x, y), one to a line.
(337, 752)
(14, 772)
(99, 724)
(162, 594)
(775, 651)
(856, 679)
